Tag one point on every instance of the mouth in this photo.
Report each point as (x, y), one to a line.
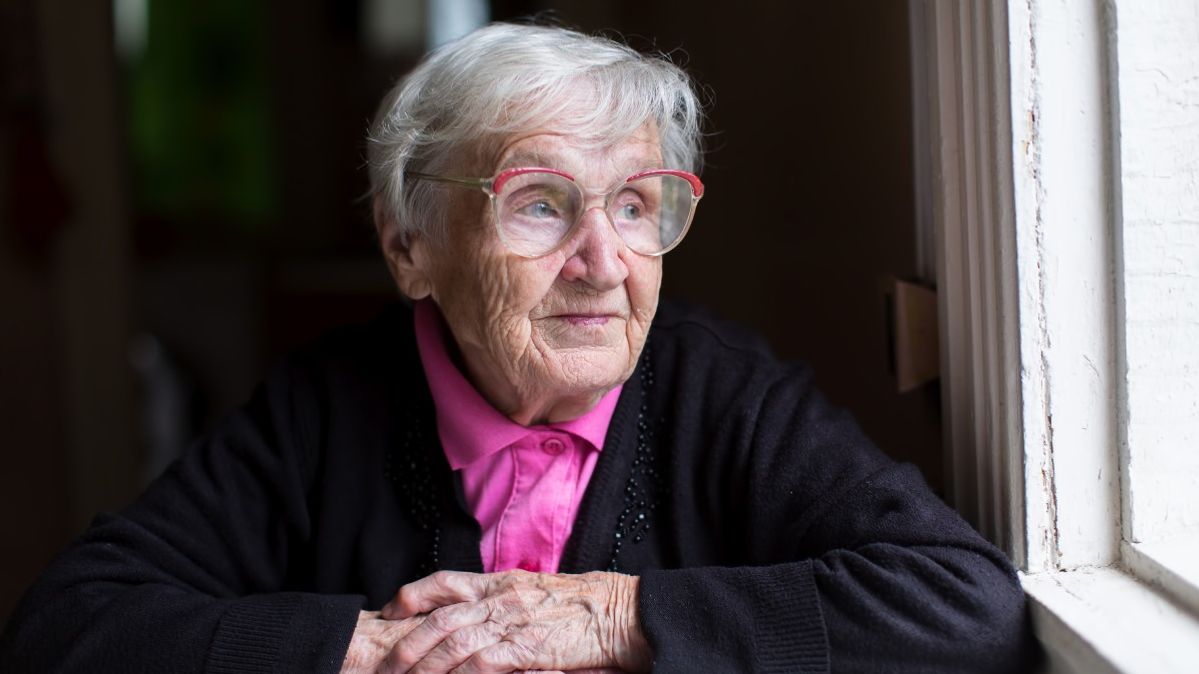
(586, 320)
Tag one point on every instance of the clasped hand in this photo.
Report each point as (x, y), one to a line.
(503, 622)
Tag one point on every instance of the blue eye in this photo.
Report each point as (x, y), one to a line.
(540, 209)
(629, 212)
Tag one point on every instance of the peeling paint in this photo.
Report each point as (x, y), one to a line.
(1064, 221)
(1044, 394)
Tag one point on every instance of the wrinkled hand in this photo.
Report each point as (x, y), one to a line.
(373, 640)
(517, 621)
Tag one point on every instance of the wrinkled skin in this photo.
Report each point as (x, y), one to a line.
(504, 622)
(542, 340)
(511, 317)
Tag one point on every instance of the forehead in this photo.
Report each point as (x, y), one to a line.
(588, 160)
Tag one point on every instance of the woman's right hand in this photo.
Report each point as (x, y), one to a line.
(373, 640)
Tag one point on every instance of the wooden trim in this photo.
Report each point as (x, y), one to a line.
(1099, 620)
(1026, 189)
(976, 265)
(1022, 198)
(1061, 112)
(1169, 566)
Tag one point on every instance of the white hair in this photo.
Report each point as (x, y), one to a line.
(469, 96)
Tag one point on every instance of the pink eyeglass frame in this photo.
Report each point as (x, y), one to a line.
(492, 186)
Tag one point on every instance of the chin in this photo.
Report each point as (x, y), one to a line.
(590, 371)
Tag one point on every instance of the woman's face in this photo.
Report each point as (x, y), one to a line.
(543, 339)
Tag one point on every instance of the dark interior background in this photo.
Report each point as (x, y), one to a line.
(176, 219)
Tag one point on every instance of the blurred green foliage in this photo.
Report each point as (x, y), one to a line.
(199, 110)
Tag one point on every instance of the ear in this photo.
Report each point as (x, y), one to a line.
(407, 261)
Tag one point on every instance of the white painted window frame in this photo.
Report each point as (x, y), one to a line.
(1023, 168)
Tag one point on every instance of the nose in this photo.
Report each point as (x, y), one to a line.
(596, 253)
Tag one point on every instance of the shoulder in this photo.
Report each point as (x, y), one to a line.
(730, 373)
(696, 327)
(696, 340)
(723, 375)
(337, 396)
(737, 406)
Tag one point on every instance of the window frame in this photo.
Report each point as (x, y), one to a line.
(1023, 109)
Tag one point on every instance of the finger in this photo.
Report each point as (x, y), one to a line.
(434, 591)
(404, 627)
(433, 630)
(458, 647)
(372, 642)
(499, 658)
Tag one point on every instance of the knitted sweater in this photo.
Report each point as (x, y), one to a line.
(770, 535)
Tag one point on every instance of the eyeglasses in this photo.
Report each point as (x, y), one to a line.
(537, 209)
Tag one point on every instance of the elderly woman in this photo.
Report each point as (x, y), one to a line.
(535, 467)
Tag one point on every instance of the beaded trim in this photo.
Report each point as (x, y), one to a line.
(410, 471)
(644, 485)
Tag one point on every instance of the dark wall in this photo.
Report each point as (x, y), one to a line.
(809, 200)
(809, 204)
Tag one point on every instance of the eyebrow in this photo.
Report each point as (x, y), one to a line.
(536, 159)
(523, 160)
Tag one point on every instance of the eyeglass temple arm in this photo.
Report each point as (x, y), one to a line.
(483, 183)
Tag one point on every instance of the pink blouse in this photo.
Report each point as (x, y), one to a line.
(522, 483)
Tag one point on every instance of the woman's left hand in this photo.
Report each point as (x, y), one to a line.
(517, 620)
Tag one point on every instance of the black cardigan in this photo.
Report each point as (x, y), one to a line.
(769, 533)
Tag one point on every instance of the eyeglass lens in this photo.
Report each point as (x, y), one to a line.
(536, 211)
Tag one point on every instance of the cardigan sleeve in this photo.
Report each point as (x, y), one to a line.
(189, 577)
(850, 562)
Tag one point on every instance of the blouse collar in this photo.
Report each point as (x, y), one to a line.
(469, 427)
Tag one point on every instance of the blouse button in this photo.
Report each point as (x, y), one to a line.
(553, 446)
